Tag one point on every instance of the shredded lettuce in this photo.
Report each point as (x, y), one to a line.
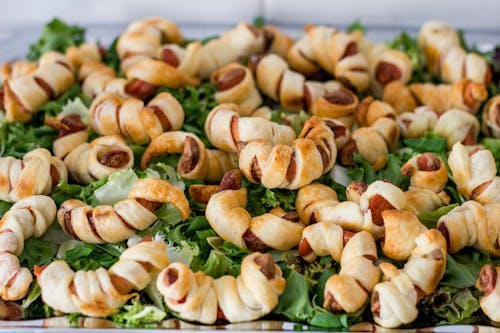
(137, 315)
(116, 188)
(17, 139)
(91, 257)
(356, 26)
(429, 143)
(261, 199)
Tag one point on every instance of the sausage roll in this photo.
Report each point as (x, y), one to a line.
(13, 70)
(96, 77)
(84, 53)
(491, 117)
(73, 131)
(312, 199)
(457, 126)
(489, 284)
(102, 292)
(187, 60)
(416, 123)
(31, 216)
(276, 42)
(401, 230)
(37, 173)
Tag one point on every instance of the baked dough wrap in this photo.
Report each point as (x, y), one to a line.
(196, 162)
(37, 173)
(457, 126)
(186, 59)
(30, 216)
(416, 123)
(228, 131)
(491, 117)
(394, 301)
(474, 172)
(111, 114)
(113, 224)
(102, 292)
(282, 166)
(488, 282)
(15, 69)
(96, 77)
(84, 53)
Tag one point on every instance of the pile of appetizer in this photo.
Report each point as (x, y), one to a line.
(330, 181)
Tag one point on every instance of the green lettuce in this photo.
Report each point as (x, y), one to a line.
(409, 45)
(69, 102)
(37, 251)
(462, 269)
(17, 139)
(430, 219)
(356, 26)
(261, 199)
(137, 315)
(65, 191)
(116, 188)
(4, 207)
(81, 256)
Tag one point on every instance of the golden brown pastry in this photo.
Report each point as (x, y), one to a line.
(401, 230)
(30, 216)
(15, 69)
(348, 290)
(186, 59)
(91, 161)
(457, 126)
(227, 215)
(73, 131)
(228, 131)
(114, 224)
(276, 41)
(198, 297)
(102, 292)
(489, 284)
(96, 77)
(447, 59)
(235, 84)
(322, 239)
(464, 94)
(283, 166)
(472, 224)
(312, 199)
(196, 162)
(416, 123)
(474, 172)
(394, 301)
(37, 173)
(111, 114)
(25, 94)
(84, 53)
(491, 117)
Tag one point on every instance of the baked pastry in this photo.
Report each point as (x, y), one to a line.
(457, 126)
(84, 53)
(235, 84)
(491, 117)
(15, 69)
(283, 166)
(394, 301)
(488, 283)
(103, 156)
(349, 289)
(474, 172)
(198, 297)
(312, 199)
(227, 215)
(185, 59)
(102, 292)
(30, 216)
(228, 131)
(114, 224)
(73, 131)
(196, 162)
(416, 123)
(111, 114)
(276, 42)
(96, 77)
(37, 173)
(401, 229)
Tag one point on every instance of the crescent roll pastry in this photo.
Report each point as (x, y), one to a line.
(96, 77)
(227, 130)
(235, 84)
(196, 162)
(84, 53)
(394, 301)
(457, 126)
(446, 58)
(37, 173)
(100, 158)
(464, 94)
(474, 173)
(472, 224)
(276, 42)
(198, 297)
(322, 239)
(313, 202)
(102, 292)
(283, 166)
(30, 216)
(187, 60)
(489, 284)
(401, 230)
(24, 95)
(491, 117)
(73, 131)
(15, 69)
(121, 221)
(111, 114)
(348, 290)
(415, 124)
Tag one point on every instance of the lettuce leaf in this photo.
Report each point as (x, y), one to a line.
(91, 257)
(261, 200)
(65, 191)
(462, 269)
(116, 188)
(37, 251)
(356, 26)
(363, 171)
(17, 139)
(165, 172)
(111, 57)
(137, 315)
(67, 100)
(427, 144)
(429, 219)
(4, 207)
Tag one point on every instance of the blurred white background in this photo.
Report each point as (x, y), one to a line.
(22, 20)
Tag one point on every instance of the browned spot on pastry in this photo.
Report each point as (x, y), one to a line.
(162, 117)
(446, 234)
(231, 180)
(307, 97)
(351, 49)
(339, 97)
(358, 187)
(255, 170)
(377, 204)
(470, 138)
(253, 61)
(11, 311)
(202, 193)
(347, 152)
(45, 86)
(313, 218)
(428, 162)
(387, 72)
(65, 65)
(291, 171)
(253, 243)
(292, 216)
(304, 248)
(487, 279)
(190, 155)
(169, 57)
(149, 205)
(171, 276)
(324, 155)
(467, 94)
(331, 304)
(140, 89)
(230, 78)
(370, 257)
(338, 129)
(266, 263)
(122, 285)
(38, 270)
(406, 122)
(115, 159)
(480, 189)
(72, 288)
(54, 175)
(253, 30)
(347, 235)
(73, 123)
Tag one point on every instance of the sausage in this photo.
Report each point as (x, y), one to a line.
(2, 93)
(171, 275)
(220, 314)
(10, 311)
(470, 138)
(190, 155)
(292, 216)
(266, 263)
(169, 57)
(377, 204)
(54, 175)
(479, 189)
(375, 307)
(351, 49)
(149, 205)
(291, 171)
(115, 159)
(487, 279)
(256, 171)
(235, 130)
(347, 236)
(446, 234)
(92, 223)
(202, 193)
(355, 189)
(45, 86)
(496, 114)
(67, 222)
(331, 303)
(305, 248)
(338, 129)
(69, 124)
(467, 95)
(231, 180)
(428, 162)
(140, 89)
(324, 155)
(122, 285)
(268, 39)
(229, 78)
(339, 97)
(387, 72)
(307, 97)
(253, 243)
(38, 270)
(347, 153)
(162, 118)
